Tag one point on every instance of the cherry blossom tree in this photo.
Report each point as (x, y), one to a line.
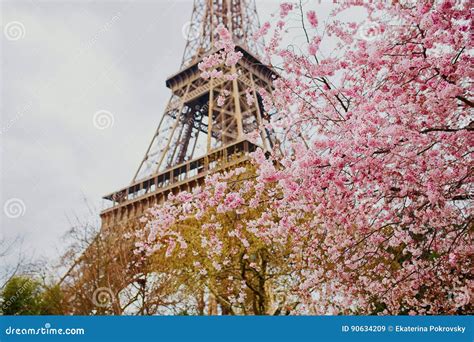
(371, 184)
(221, 245)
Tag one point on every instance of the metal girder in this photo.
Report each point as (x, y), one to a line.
(193, 123)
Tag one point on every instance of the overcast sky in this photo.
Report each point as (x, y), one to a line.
(61, 63)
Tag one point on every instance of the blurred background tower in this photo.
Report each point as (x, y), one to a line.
(195, 136)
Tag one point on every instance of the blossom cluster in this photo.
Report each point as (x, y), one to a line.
(372, 185)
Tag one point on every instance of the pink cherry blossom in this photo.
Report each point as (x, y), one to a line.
(312, 18)
(371, 179)
(285, 8)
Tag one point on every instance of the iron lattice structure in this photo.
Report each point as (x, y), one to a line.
(239, 16)
(195, 137)
(193, 97)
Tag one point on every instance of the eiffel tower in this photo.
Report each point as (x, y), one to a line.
(195, 135)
